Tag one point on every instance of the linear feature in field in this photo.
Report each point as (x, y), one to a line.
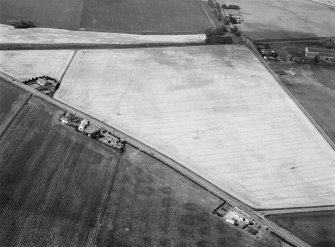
(25, 65)
(214, 109)
(146, 16)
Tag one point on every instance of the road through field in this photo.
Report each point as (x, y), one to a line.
(218, 112)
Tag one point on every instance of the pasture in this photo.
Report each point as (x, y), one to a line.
(146, 16)
(316, 228)
(11, 100)
(215, 110)
(286, 19)
(24, 65)
(43, 13)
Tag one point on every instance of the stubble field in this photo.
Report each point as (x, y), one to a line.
(215, 110)
(27, 64)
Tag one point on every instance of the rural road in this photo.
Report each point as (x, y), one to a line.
(292, 239)
(295, 210)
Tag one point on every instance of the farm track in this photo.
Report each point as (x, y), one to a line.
(199, 181)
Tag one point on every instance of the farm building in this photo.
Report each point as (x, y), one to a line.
(324, 54)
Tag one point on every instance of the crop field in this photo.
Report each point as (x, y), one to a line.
(286, 19)
(11, 100)
(153, 205)
(43, 13)
(146, 16)
(215, 110)
(53, 184)
(9, 35)
(32, 63)
(316, 228)
(60, 188)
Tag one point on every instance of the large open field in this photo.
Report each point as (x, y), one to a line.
(214, 109)
(285, 19)
(146, 16)
(316, 228)
(32, 63)
(60, 188)
(43, 13)
(11, 100)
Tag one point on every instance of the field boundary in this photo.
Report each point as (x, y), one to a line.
(197, 179)
(253, 49)
(84, 46)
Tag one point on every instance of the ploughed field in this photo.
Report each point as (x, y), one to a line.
(316, 228)
(61, 188)
(215, 110)
(11, 100)
(144, 16)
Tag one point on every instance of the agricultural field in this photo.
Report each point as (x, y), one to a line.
(60, 188)
(316, 228)
(153, 205)
(147, 16)
(27, 64)
(11, 101)
(43, 13)
(286, 19)
(9, 35)
(53, 181)
(144, 16)
(314, 87)
(215, 110)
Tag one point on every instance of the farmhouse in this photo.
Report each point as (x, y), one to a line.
(324, 54)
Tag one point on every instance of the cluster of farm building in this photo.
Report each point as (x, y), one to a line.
(241, 220)
(44, 84)
(84, 126)
(311, 54)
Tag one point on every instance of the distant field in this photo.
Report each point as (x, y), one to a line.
(59, 188)
(32, 63)
(316, 228)
(215, 110)
(285, 19)
(146, 16)
(138, 16)
(43, 13)
(11, 100)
